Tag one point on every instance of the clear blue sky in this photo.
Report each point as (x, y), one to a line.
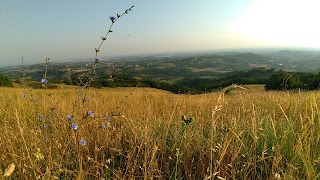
(70, 29)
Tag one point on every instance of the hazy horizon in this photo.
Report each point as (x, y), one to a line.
(65, 30)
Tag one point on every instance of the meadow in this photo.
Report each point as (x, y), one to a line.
(143, 133)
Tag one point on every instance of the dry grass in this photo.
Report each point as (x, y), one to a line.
(244, 135)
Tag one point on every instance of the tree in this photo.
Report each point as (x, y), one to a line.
(5, 80)
(283, 80)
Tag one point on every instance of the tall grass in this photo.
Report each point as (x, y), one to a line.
(256, 135)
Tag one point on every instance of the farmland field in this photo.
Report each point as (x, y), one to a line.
(143, 133)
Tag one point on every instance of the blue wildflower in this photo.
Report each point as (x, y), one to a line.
(108, 118)
(69, 118)
(39, 115)
(82, 142)
(103, 126)
(98, 59)
(45, 126)
(74, 126)
(43, 120)
(44, 81)
(90, 113)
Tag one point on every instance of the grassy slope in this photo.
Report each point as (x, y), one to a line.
(245, 135)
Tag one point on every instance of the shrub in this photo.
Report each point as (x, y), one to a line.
(5, 80)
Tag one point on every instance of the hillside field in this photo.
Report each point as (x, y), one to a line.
(143, 133)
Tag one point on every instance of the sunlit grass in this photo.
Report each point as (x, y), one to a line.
(251, 135)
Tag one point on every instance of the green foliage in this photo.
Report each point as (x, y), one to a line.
(5, 81)
(188, 85)
(254, 76)
(282, 80)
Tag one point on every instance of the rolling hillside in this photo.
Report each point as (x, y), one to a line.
(203, 70)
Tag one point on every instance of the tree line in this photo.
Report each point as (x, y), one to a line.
(274, 80)
(282, 80)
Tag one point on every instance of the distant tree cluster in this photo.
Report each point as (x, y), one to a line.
(253, 76)
(190, 85)
(5, 81)
(282, 80)
(127, 80)
(273, 80)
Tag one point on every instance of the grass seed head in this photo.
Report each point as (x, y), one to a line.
(9, 170)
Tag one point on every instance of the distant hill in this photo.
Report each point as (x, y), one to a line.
(292, 55)
(173, 67)
(292, 60)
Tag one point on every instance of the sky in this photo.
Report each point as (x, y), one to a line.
(71, 29)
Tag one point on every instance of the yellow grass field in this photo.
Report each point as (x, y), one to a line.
(138, 133)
